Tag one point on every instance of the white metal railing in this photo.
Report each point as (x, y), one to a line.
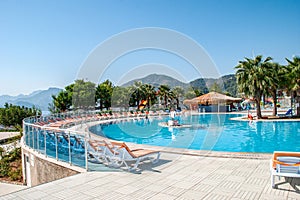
(59, 142)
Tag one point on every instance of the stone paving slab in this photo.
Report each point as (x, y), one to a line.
(174, 177)
(6, 188)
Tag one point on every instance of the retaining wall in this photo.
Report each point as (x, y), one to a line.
(42, 170)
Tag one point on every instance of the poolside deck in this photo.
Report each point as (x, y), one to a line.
(174, 177)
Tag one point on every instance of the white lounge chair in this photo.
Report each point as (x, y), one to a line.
(285, 164)
(126, 155)
(111, 154)
(95, 150)
(104, 152)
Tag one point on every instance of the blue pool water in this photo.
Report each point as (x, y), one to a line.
(208, 132)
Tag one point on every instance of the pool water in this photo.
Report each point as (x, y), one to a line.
(215, 132)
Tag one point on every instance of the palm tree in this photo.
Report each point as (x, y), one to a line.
(170, 97)
(252, 78)
(293, 80)
(138, 92)
(164, 93)
(178, 93)
(276, 73)
(149, 94)
(128, 91)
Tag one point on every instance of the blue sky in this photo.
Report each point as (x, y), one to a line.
(45, 43)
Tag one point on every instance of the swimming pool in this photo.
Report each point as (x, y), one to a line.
(208, 132)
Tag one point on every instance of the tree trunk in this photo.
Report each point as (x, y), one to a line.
(292, 96)
(274, 96)
(166, 101)
(297, 101)
(264, 100)
(258, 109)
(149, 102)
(101, 104)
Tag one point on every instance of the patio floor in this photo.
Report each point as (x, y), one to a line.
(174, 177)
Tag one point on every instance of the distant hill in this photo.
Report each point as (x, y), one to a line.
(227, 83)
(40, 99)
(200, 84)
(230, 85)
(157, 80)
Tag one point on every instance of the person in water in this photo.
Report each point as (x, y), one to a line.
(172, 114)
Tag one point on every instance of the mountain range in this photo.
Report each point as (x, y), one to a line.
(227, 83)
(41, 98)
(157, 80)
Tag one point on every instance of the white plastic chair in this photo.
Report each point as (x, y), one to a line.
(125, 155)
(285, 164)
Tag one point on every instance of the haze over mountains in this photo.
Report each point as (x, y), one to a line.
(41, 98)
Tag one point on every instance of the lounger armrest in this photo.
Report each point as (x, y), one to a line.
(288, 161)
(117, 143)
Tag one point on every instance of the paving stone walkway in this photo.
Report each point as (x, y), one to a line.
(174, 177)
(6, 188)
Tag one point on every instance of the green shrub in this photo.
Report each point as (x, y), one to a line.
(15, 175)
(4, 168)
(1, 152)
(11, 165)
(15, 154)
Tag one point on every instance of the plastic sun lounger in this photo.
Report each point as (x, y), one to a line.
(96, 150)
(286, 164)
(288, 113)
(126, 155)
(111, 153)
(103, 152)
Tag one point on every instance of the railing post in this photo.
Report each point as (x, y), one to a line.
(86, 152)
(45, 136)
(70, 155)
(24, 131)
(32, 136)
(38, 141)
(56, 150)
